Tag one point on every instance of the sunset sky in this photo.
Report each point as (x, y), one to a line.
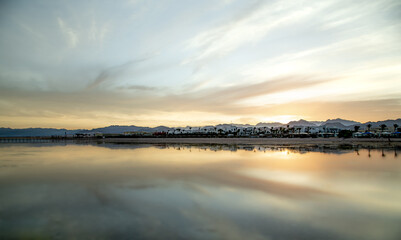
(86, 64)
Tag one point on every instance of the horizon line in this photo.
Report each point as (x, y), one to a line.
(162, 125)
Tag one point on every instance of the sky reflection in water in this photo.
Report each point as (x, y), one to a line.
(184, 192)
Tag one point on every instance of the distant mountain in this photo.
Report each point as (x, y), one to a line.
(302, 123)
(39, 132)
(226, 126)
(317, 123)
(44, 132)
(114, 129)
(122, 129)
(338, 123)
(241, 125)
(269, 125)
(342, 121)
(388, 123)
(161, 129)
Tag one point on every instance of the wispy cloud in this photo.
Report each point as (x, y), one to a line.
(70, 33)
(138, 87)
(235, 93)
(97, 33)
(88, 109)
(111, 73)
(252, 25)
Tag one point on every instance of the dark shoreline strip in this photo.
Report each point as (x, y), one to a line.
(282, 142)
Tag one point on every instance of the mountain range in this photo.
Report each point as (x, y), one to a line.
(117, 129)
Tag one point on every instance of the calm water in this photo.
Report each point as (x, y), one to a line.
(184, 192)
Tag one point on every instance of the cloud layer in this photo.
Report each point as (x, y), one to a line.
(175, 63)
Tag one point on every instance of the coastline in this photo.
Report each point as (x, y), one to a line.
(276, 142)
(368, 142)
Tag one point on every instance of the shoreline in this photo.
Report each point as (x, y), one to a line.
(277, 142)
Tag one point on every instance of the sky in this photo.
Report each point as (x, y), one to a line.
(86, 64)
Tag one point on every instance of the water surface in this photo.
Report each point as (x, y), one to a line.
(197, 192)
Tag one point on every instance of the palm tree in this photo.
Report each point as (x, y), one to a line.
(356, 128)
(369, 126)
(395, 127)
(383, 126)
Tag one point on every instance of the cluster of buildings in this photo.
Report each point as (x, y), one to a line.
(289, 132)
(296, 129)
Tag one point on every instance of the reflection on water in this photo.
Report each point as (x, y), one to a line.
(198, 192)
